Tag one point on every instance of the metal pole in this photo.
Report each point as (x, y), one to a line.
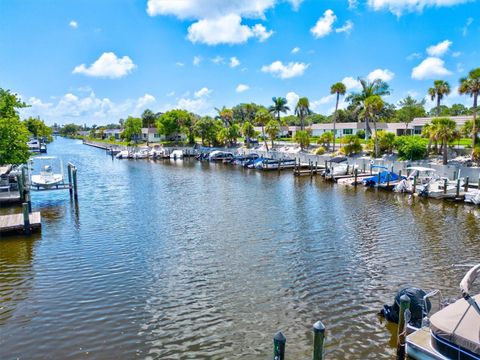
(279, 341)
(318, 340)
(404, 305)
(26, 219)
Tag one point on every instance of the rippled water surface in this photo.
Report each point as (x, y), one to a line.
(190, 260)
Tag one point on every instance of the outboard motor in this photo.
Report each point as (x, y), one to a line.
(391, 313)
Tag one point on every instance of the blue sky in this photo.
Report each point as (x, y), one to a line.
(94, 62)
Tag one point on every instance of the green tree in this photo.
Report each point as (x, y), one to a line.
(69, 130)
(262, 117)
(13, 141)
(132, 129)
(9, 103)
(429, 132)
(206, 128)
(248, 132)
(302, 137)
(410, 108)
(471, 86)
(233, 132)
(411, 147)
(272, 129)
(338, 89)
(222, 136)
(350, 145)
(439, 90)
(325, 139)
(279, 106)
(302, 110)
(386, 141)
(226, 115)
(171, 122)
(445, 130)
(459, 109)
(372, 108)
(38, 129)
(148, 118)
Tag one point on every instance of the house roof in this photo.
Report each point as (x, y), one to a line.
(346, 125)
(460, 120)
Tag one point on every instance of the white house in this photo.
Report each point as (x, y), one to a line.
(151, 135)
(342, 129)
(418, 123)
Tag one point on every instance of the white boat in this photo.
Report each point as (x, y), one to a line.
(218, 155)
(51, 172)
(452, 332)
(34, 145)
(176, 154)
(423, 176)
(124, 154)
(473, 197)
(141, 154)
(439, 188)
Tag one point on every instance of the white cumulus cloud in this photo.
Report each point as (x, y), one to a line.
(108, 65)
(145, 100)
(202, 92)
(439, 49)
(382, 74)
(346, 28)
(73, 24)
(234, 62)
(292, 100)
(295, 50)
(285, 71)
(197, 60)
(430, 68)
(351, 83)
(226, 29)
(324, 24)
(241, 88)
(398, 7)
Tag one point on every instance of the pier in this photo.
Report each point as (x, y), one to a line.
(17, 222)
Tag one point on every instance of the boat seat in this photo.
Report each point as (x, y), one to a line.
(458, 326)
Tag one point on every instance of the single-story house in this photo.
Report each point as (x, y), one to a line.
(151, 135)
(108, 133)
(342, 129)
(285, 131)
(417, 124)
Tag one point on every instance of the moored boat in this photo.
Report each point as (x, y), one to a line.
(219, 155)
(51, 172)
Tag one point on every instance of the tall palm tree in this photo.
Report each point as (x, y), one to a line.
(428, 132)
(279, 106)
(445, 131)
(439, 90)
(369, 88)
(226, 115)
(338, 88)
(302, 110)
(262, 117)
(471, 85)
(373, 106)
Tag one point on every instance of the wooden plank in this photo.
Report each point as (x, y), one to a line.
(14, 222)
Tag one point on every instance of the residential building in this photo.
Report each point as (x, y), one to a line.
(418, 123)
(342, 129)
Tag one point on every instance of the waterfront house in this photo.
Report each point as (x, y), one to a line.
(151, 135)
(418, 123)
(342, 129)
(285, 131)
(108, 133)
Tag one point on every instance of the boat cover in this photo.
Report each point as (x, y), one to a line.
(371, 181)
(468, 279)
(458, 323)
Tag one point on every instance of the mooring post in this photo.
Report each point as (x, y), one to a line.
(371, 169)
(356, 176)
(24, 183)
(445, 184)
(69, 172)
(316, 167)
(404, 305)
(28, 200)
(388, 179)
(400, 174)
(364, 167)
(378, 179)
(348, 168)
(26, 219)
(326, 168)
(467, 179)
(279, 341)
(318, 340)
(455, 175)
(74, 178)
(20, 186)
(458, 188)
(414, 184)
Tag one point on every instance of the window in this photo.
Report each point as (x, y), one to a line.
(347, 131)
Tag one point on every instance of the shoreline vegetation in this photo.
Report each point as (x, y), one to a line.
(253, 124)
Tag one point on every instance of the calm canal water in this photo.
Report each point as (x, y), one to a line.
(191, 260)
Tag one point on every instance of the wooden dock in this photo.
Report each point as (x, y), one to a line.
(14, 222)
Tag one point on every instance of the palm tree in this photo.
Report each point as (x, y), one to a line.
(338, 88)
(248, 131)
(225, 114)
(439, 90)
(272, 129)
(445, 131)
(373, 106)
(428, 131)
(471, 85)
(302, 110)
(369, 88)
(262, 117)
(279, 106)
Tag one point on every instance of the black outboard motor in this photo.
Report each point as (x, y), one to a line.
(391, 313)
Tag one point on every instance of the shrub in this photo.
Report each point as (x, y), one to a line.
(325, 139)
(302, 137)
(386, 142)
(360, 134)
(411, 147)
(476, 154)
(351, 145)
(320, 151)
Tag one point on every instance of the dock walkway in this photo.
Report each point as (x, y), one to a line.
(14, 222)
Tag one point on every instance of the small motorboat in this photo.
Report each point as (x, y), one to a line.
(141, 154)
(418, 174)
(124, 154)
(34, 145)
(452, 332)
(473, 197)
(273, 164)
(47, 178)
(242, 159)
(220, 156)
(383, 177)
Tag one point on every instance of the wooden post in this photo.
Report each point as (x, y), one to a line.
(363, 167)
(318, 340)
(69, 172)
(279, 341)
(327, 165)
(311, 169)
(74, 178)
(414, 184)
(316, 167)
(371, 169)
(455, 175)
(356, 176)
(457, 194)
(404, 305)
(24, 183)
(378, 178)
(445, 184)
(388, 179)
(348, 168)
(28, 200)
(466, 183)
(20, 186)
(26, 219)
(400, 174)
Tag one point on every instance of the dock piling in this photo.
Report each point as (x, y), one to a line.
(404, 306)
(467, 179)
(279, 341)
(445, 184)
(414, 184)
(318, 340)
(356, 176)
(69, 173)
(26, 219)
(74, 178)
(457, 193)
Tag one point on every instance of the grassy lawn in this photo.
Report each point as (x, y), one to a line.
(464, 142)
